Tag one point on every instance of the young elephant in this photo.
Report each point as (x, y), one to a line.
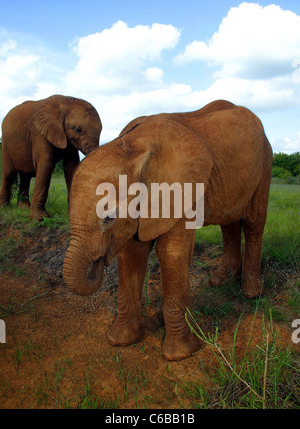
(35, 136)
(222, 146)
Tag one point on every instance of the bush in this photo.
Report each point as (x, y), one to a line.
(293, 180)
(291, 162)
(280, 172)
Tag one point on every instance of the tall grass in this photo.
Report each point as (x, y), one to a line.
(265, 376)
(282, 233)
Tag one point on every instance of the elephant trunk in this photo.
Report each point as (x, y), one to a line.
(81, 274)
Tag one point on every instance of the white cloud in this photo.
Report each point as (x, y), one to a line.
(116, 110)
(116, 59)
(252, 42)
(286, 144)
(254, 55)
(122, 71)
(7, 46)
(117, 70)
(259, 95)
(154, 74)
(18, 76)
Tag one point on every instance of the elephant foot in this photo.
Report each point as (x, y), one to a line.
(124, 333)
(177, 347)
(252, 285)
(223, 274)
(38, 215)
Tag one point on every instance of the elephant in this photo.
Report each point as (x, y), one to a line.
(35, 136)
(222, 146)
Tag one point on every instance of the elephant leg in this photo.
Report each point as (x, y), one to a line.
(174, 251)
(252, 282)
(230, 265)
(40, 192)
(253, 227)
(8, 178)
(132, 264)
(70, 165)
(23, 197)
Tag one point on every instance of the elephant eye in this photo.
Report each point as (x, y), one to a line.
(110, 218)
(78, 129)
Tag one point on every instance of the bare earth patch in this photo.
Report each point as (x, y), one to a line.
(56, 353)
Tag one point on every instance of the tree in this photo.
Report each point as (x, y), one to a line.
(290, 163)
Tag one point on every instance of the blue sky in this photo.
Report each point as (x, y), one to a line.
(129, 58)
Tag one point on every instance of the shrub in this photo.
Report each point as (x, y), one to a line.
(291, 162)
(280, 172)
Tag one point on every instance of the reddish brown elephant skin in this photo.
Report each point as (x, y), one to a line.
(35, 136)
(223, 146)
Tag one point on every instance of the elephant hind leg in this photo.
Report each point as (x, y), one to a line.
(9, 176)
(253, 228)
(230, 265)
(252, 282)
(23, 197)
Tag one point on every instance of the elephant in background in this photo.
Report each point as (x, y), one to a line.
(222, 146)
(35, 136)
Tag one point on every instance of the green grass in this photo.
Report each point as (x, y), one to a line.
(282, 233)
(266, 376)
(56, 206)
(51, 390)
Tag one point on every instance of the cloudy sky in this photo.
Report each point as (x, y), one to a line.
(129, 58)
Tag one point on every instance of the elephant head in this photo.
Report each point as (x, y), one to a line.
(156, 151)
(64, 119)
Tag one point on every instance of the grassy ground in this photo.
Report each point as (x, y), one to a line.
(252, 361)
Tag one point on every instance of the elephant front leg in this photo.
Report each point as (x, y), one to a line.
(40, 193)
(174, 251)
(70, 165)
(132, 264)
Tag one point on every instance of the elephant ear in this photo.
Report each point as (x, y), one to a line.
(48, 119)
(177, 155)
